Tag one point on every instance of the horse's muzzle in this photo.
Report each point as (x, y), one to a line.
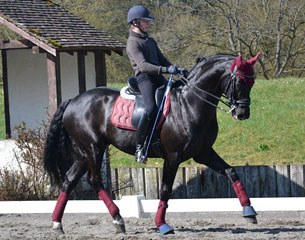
(241, 113)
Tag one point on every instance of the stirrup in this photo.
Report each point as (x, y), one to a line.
(140, 156)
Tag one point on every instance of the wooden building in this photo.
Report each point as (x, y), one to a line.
(57, 56)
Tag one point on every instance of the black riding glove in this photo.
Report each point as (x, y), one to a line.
(172, 69)
(183, 72)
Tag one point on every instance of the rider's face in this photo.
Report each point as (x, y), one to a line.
(145, 25)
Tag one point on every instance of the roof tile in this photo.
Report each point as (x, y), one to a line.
(51, 23)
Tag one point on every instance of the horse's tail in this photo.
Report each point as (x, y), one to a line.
(56, 160)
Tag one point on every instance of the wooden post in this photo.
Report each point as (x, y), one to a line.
(151, 184)
(100, 69)
(54, 82)
(81, 71)
(179, 189)
(6, 95)
(283, 181)
(297, 180)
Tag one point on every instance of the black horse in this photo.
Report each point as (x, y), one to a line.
(81, 130)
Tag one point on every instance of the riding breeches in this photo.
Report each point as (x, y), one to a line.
(147, 86)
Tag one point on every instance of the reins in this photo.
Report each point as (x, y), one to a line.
(186, 82)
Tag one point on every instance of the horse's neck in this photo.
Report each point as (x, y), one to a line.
(193, 110)
(199, 90)
(196, 96)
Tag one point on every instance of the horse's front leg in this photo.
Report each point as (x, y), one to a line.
(169, 172)
(72, 177)
(211, 159)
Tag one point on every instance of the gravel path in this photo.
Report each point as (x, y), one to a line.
(228, 226)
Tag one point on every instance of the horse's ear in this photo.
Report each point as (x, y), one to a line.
(198, 59)
(236, 63)
(253, 60)
(239, 60)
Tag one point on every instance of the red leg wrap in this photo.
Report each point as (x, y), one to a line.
(160, 216)
(241, 193)
(112, 208)
(60, 207)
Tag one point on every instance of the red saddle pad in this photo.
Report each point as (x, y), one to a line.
(122, 113)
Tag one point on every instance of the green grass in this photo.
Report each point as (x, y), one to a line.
(274, 134)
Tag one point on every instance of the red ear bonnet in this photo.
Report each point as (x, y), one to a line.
(253, 60)
(244, 69)
(237, 63)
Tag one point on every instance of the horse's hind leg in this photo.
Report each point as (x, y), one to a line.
(95, 179)
(215, 162)
(72, 177)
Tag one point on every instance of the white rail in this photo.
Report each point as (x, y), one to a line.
(138, 206)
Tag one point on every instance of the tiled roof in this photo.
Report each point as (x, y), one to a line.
(54, 26)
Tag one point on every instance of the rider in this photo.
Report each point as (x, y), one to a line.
(148, 63)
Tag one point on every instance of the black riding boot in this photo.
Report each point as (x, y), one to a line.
(143, 127)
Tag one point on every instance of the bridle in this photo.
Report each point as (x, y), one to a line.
(229, 93)
(230, 90)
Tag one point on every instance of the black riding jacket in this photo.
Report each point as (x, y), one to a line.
(145, 55)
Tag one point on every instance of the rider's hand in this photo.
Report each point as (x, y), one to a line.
(183, 72)
(172, 69)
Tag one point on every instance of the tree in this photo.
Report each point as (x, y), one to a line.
(276, 28)
(186, 29)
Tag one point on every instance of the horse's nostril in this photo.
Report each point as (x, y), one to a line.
(243, 116)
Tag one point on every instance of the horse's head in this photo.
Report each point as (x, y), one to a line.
(239, 86)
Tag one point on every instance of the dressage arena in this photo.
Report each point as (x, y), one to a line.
(285, 219)
(229, 225)
(278, 218)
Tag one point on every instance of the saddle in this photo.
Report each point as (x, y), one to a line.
(129, 106)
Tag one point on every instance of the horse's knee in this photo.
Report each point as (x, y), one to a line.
(165, 193)
(231, 174)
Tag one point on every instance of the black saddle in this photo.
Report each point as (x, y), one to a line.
(132, 91)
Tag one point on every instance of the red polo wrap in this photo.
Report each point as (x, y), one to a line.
(112, 208)
(241, 193)
(60, 207)
(160, 215)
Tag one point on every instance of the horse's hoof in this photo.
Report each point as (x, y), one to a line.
(250, 214)
(57, 227)
(166, 229)
(248, 211)
(119, 225)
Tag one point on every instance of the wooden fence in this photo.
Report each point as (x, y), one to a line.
(202, 182)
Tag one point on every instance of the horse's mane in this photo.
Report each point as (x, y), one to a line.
(205, 61)
(214, 58)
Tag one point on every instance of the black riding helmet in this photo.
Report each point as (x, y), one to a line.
(138, 12)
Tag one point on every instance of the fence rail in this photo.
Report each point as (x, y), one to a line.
(202, 182)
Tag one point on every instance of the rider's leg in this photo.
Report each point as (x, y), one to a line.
(143, 128)
(147, 90)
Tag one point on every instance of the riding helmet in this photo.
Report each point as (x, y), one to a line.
(138, 12)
